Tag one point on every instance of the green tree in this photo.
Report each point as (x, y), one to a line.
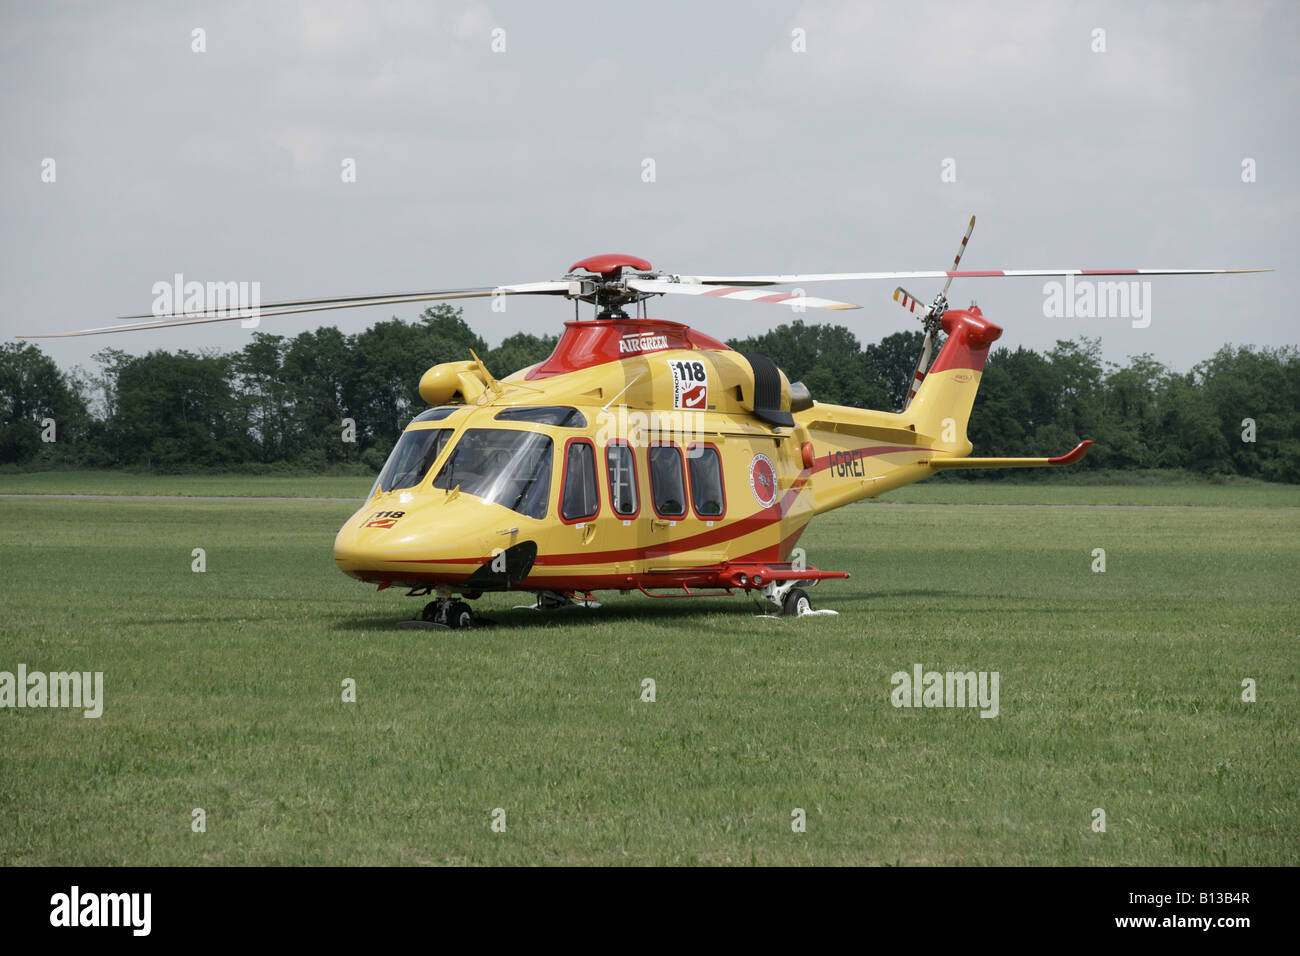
(826, 358)
(322, 382)
(175, 411)
(33, 390)
(893, 361)
(265, 402)
(1262, 385)
(519, 351)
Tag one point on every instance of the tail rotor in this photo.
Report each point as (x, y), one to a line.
(931, 317)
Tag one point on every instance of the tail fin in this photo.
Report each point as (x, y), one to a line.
(943, 403)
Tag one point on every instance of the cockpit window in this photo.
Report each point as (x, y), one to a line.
(510, 468)
(562, 415)
(436, 414)
(411, 458)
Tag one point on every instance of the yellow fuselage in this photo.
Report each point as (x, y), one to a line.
(434, 531)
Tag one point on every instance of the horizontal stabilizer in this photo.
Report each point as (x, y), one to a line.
(1075, 455)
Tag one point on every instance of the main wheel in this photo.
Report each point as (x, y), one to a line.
(459, 615)
(796, 603)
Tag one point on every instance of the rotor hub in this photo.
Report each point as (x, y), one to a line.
(610, 292)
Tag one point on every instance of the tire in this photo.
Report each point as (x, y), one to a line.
(796, 601)
(459, 615)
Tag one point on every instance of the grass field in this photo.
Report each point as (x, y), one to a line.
(1119, 691)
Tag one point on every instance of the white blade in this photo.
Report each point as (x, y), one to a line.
(737, 292)
(898, 276)
(911, 303)
(956, 260)
(310, 305)
(922, 365)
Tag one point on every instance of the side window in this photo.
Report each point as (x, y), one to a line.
(622, 480)
(667, 486)
(707, 495)
(579, 495)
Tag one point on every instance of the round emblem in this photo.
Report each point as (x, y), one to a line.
(762, 480)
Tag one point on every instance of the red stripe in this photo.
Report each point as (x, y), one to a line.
(758, 521)
(735, 529)
(1117, 272)
(724, 290)
(973, 275)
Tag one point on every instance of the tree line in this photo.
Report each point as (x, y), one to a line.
(325, 401)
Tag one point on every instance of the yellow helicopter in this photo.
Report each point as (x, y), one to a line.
(644, 455)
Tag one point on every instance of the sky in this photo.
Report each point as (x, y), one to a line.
(785, 137)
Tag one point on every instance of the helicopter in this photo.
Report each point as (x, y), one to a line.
(644, 455)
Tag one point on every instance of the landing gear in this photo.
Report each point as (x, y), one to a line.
(449, 613)
(792, 600)
(560, 601)
(444, 613)
(796, 603)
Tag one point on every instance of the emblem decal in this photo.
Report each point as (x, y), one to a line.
(762, 480)
(635, 342)
(384, 519)
(690, 385)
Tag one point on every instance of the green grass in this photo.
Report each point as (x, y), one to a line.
(1178, 494)
(1119, 690)
(106, 482)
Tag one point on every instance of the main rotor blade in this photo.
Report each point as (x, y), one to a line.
(295, 307)
(360, 301)
(736, 292)
(922, 368)
(897, 276)
(956, 261)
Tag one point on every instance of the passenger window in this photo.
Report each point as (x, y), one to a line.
(622, 480)
(580, 498)
(707, 496)
(667, 485)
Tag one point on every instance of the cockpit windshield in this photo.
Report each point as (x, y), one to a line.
(510, 468)
(411, 458)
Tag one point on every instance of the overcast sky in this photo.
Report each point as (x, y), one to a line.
(478, 168)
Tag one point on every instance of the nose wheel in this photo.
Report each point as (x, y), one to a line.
(443, 613)
(449, 613)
